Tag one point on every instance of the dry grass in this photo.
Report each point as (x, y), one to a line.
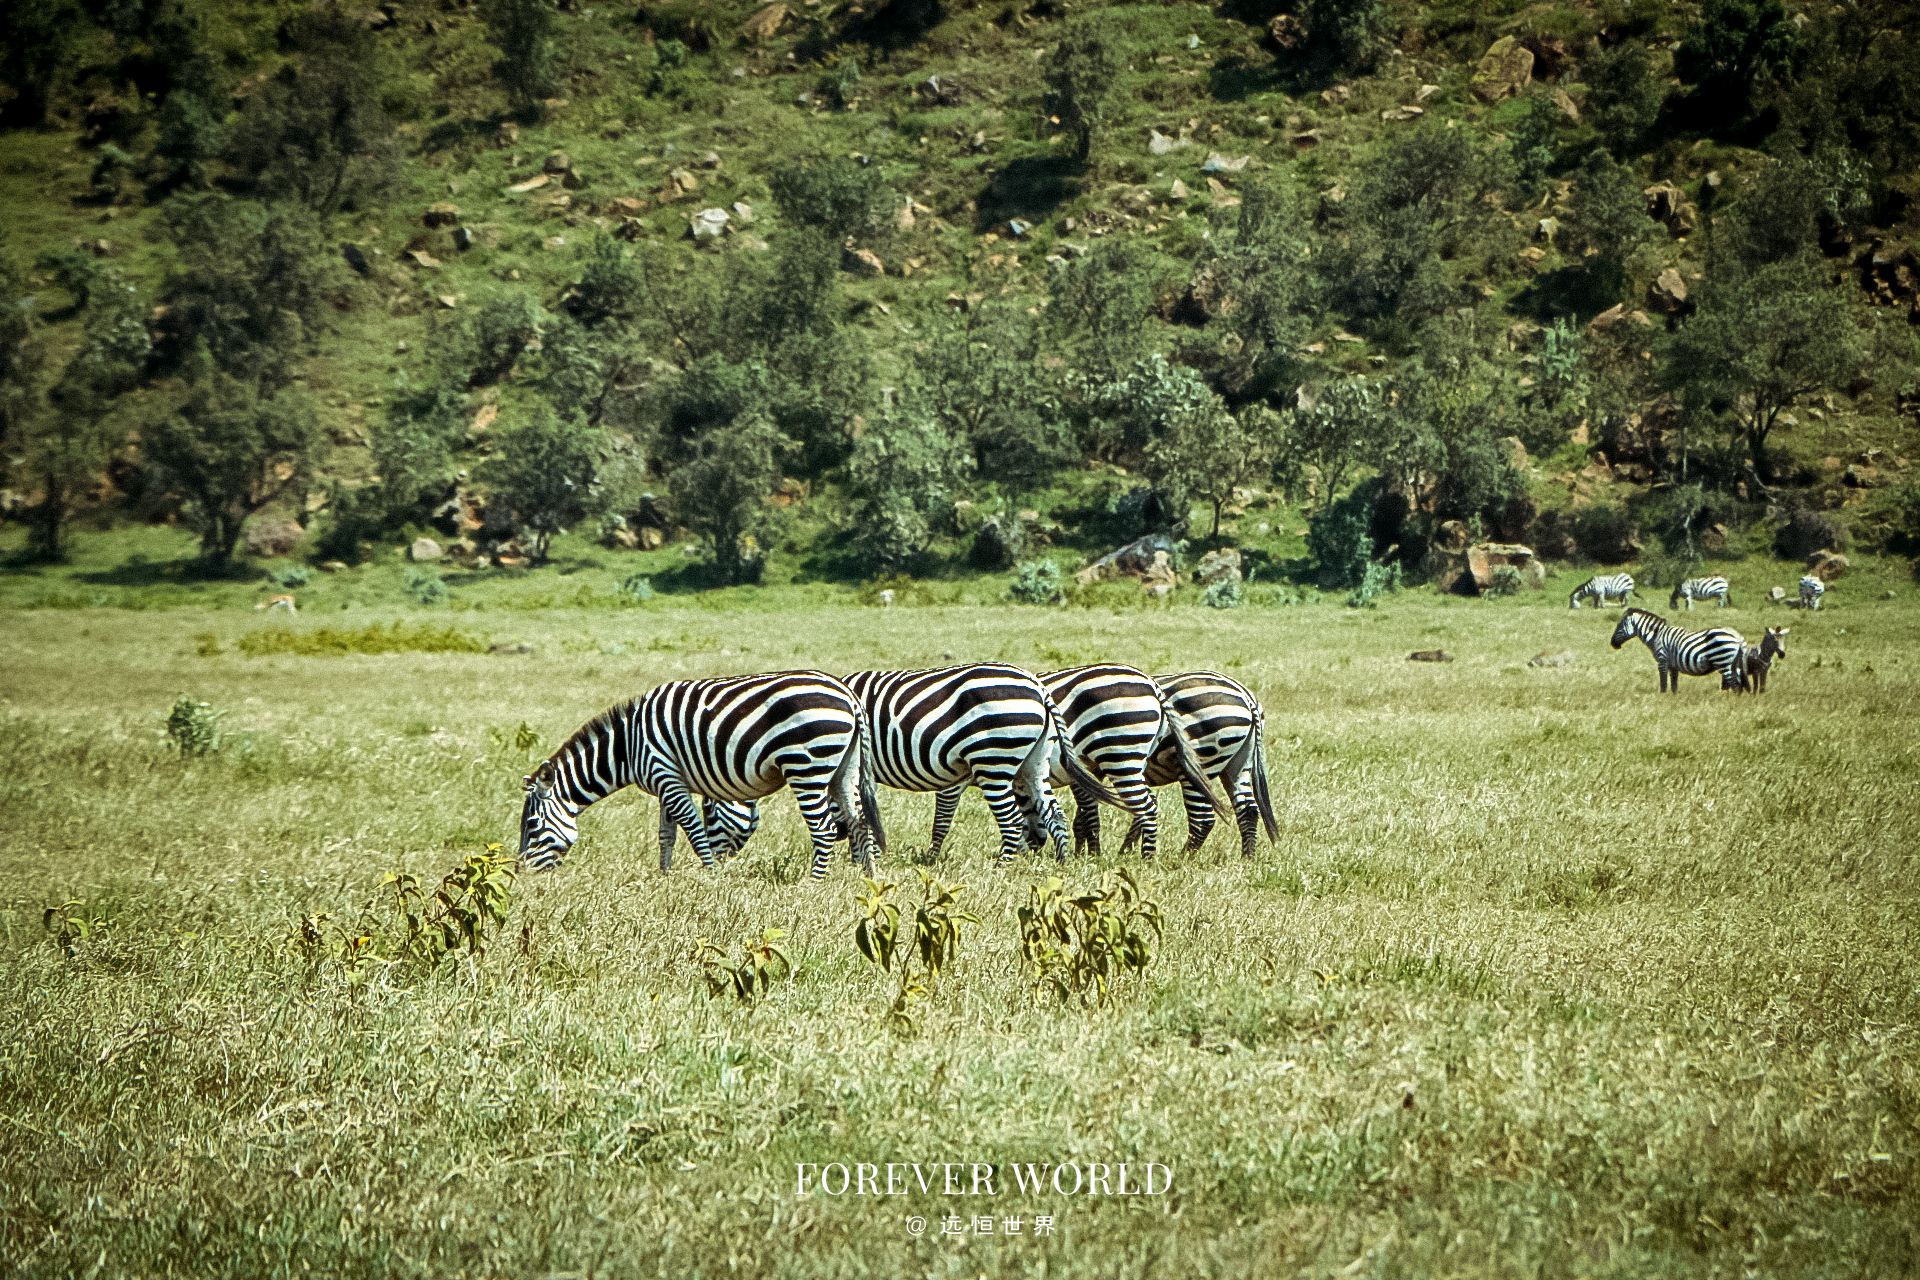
(1548, 975)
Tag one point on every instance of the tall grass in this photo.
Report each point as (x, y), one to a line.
(1548, 974)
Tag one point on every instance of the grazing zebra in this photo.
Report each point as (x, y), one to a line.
(1227, 729)
(731, 740)
(1811, 589)
(1757, 659)
(1603, 588)
(1692, 589)
(1116, 719)
(984, 724)
(1677, 651)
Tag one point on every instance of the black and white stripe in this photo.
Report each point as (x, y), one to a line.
(983, 724)
(1226, 727)
(1603, 588)
(732, 740)
(1692, 589)
(1116, 719)
(1757, 659)
(1811, 589)
(1680, 652)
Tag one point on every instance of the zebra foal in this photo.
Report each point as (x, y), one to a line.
(1601, 589)
(733, 741)
(1678, 651)
(1692, 589)
(1757, 659)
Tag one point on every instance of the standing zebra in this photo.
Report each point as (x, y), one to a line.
(1811, 589)
(1227, 729)
(731, 740)
(1603, 588)
(1692, 589)
(1757, 659)
(1677, 651)
(984, 724)
(1116, 719)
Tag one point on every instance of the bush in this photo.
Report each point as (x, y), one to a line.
(1506, 582)
(1339, 541)
(1376, 581)
(1607, 534)
(1229, 594)
(999, 541)
(1036, 582)
(1806, 532)
(426, 587)
(328, 643)
(194, 727)
(293, 576)
(840, 197)
(637, 588)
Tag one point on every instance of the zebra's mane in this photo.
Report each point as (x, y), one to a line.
(597, 727)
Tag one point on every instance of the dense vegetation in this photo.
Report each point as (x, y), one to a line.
(846, 291)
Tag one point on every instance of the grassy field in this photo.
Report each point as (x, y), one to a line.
(1546, 975)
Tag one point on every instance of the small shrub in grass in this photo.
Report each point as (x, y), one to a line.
(761, 965)
(329, 643)
(462, 916)
(1378, 580)
(194, 727)
(1225, 595)
(635, 589)
(1506, 582)
(1036, 582)
(292, 576)
(1082, 946)
(426, 588)
(936, 939)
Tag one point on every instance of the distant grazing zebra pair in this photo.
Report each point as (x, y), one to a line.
(988, 724)
(1677, 651)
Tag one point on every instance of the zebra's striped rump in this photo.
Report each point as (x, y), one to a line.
(1692, 589)
(1678, 651)
(732, 741)
(1226, 727)
(1115, 719)
(1603, 588)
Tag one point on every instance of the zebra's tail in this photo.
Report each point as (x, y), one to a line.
(869, 798)
(1034, 770)
(852, 787)
(1260, 794)
(1190, 766)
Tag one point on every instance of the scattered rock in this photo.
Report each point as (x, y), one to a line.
(708, 160)
(334, 566)
(709, 224)
(1222, 198)
(1859, 477)
(463, 238)
(1338, 94)
(520, 646)
(1160, 144)
(1148, 559)
(1426, 91)
(1505, 71)
(1429, 655)
(864, 263)
(356, 258)
(556, 163)
(1566, 104)
(531, 184)
(424, 549)
(1777, 594)
(742, 212)
(1515, 451)
(763, 24)
(1484, 558)
(1307, 140)
(447, 301)
(1828, 566)
(1218, 566)
(1668, 293)
(1402, 113)
(441, 214)
(272, 538)
(1217, 163)
(1668, 205)
(1549, 658)
(1178, 190)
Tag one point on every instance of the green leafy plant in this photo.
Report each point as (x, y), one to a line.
(194, 727)
(761, 965)
(463, 915)
(426, 587)
(1378, 580)
(327, 642)
(936, 938)
(1506, 582)
(69, 929)
(636, 588)
(1036, 582)
(1227, 594)
(1081, 946)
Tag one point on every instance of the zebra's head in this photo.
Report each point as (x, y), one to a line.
(1774, 645)
(547, 826)
(1629, 626)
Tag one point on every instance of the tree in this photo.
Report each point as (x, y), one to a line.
(20, 354)
(1533, 139)
(1338, 537)
(841, 198)
(721, 493)
(1343, 423)
(904, 473)
(1759, 341)
(1166, 414)
(1085, 69)
(545, 470)
(528, 65)
(491, 335)
(39, 41)
(67, 444)
(1211, 454)
(1609, 219)
(232, 448)
(979, 377)
(413, 442)
(1255, 296)
(1729, 47)
(315, 133)
(1623, 95)
(1102, 309)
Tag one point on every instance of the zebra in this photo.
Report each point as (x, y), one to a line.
(1692, 589)
(1227, 729)
(731, 740)
(985, 724)
(1677, 651)
(1811, 589)
(1116, 719)
(1602, 588)
(1757, 659)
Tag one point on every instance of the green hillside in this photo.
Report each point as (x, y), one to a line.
(1628, 283)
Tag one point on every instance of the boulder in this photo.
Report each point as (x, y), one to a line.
(1217, 163)
(424, 549)
(441, 215)
(356, 258)
(710, 224)
(863, 262)
(534, 183)
(1668, 293)
(1668, 205)
(1286, 31)
(1777, 594)
(1218, 566)
(1505, 71)
(1178, 190)
(1514, 452)
(556, 163)
(1828, 566)
(1566, 105)
(1549, 658)
(1485, 557)
(1159, 580)
(763, 24)
(272, 538)
(1429, 655)
(652, 539)
(1138, 559)
(463, 238)
(1160, 144)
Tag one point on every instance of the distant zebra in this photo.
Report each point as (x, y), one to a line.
(1811, 589)
(1677, 651)
(1227, 729)
(1602, 589)
(1116, 719)
(1757, 659)
(732, 740)
(1701, 589)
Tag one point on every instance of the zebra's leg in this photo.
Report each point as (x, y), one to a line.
(1086, 823)
(1145, 810)
(1246, 811)
(1006, 812)
(678, 803)
(945, 805)
(669, 836)
(816, 807)
(1199, 816)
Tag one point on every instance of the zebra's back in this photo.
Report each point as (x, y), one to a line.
(745, 737)
(940, 728)
(1216, 712)
(1107, 711)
